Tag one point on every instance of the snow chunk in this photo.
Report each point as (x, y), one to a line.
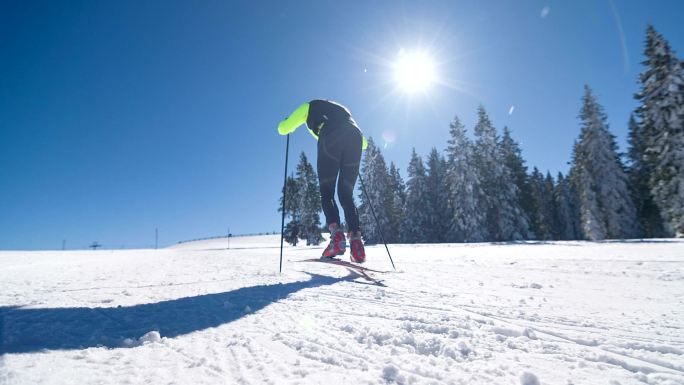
(147, 338)
(464, 348)
(426, 327)
(390, 373)
(129, 343)
(150, 337)
(528, 378)
(529, 333)
(507, 332)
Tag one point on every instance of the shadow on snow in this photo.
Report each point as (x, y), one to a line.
(31, 330)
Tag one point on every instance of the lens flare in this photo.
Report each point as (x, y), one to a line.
(389, 136)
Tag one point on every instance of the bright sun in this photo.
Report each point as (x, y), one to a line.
(414, 71)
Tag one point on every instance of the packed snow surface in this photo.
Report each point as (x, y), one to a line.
(204, 313)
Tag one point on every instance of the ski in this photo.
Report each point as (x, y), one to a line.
(335, 261)
(361, 270)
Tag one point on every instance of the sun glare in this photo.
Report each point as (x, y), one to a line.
(414, 71)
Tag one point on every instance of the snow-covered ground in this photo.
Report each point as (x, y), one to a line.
(198, 313)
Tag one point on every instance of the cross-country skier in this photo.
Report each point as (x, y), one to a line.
(339, 153)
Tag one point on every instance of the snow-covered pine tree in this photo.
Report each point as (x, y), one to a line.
(291, 208)
(606, 206)
(568, 213)
(292, 211)
(309, 202)
(416, 222)
(661, 112)
(486, 162)
(397, 214)
(543, 215)
(376, 179)
(465, 197)
(638, 171)
(505, 219)
(514, 162)
(437, 198)
(291, 232)
(551, 207)
(591, 222)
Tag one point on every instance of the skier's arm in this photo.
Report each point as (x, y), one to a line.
(296, 119)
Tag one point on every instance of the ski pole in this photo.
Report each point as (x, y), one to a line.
(376, 221)
(282, 223)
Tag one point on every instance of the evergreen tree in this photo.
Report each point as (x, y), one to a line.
(376, 179)
(639, 171)
(292, 211)
(309, 202)
(606, 206)
(568, 213)
(398, 203)
(514, 162)
(437, 199)
(542, 196)
(465, 196)
(551, 209)
(661, 112)
(485, 160)
(591, 223)
(291, 232)
(291, 208)
(415, 225)
(505, 219)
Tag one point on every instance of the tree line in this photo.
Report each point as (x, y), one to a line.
(480, 189)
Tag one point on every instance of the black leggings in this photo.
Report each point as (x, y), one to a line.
(339, 152)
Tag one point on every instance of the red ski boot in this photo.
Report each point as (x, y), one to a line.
(358, 254)
(338, 243)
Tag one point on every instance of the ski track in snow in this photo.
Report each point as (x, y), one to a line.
(523, 313)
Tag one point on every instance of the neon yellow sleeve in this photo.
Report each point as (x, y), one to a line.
(364, 144)
(296, 119)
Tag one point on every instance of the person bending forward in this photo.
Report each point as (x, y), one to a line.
(340, 143)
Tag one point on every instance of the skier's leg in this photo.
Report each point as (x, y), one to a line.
(327, 167)
(349, 171)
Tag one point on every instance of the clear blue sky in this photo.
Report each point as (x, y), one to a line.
(117, 117)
